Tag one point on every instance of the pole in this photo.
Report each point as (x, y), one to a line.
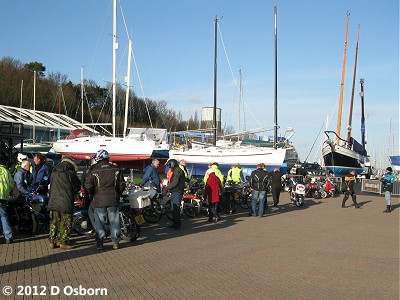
(34, 108)
(82, 93)
(276, 78)
(128, 82)
(114, 73)
(363, 142)
(215, 84)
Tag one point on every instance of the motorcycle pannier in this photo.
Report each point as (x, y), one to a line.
(139, 198)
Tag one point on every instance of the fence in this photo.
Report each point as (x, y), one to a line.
(375, 186)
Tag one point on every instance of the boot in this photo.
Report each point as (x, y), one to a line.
(354, 201)
(387, 209)
(344, 202)
(65, 247)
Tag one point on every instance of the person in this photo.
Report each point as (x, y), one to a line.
(276, 185)
(6, 186)
(217, 172)
(15, 167)
(235, 174)
(258, 183)
(348, 189)
(21, 179)
(388, 181)
(64, 185)
(150, 179)
(176, 187)
(40, 174)
(212, 191)
(106, 183)
(182, 165)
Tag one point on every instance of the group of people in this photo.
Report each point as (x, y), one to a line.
(22, 179)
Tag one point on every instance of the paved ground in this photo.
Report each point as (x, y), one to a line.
(320, 251)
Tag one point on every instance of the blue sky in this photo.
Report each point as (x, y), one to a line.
(174, 48)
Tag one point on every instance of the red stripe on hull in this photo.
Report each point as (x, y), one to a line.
(113, 157)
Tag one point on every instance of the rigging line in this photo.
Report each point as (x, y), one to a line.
(315, 140)
(234, 79)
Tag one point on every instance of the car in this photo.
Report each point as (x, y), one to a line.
(309, 169)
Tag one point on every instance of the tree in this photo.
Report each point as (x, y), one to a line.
(36, 66)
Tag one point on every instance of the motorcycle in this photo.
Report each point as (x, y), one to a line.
(39, 203)
(330, 189)
(297, 192)
(21, 215)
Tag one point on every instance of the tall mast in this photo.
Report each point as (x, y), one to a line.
(128, 82)
(240, 98)
(34, 108)
(114, 75)
(82, 95)
(362, 113)
(352, 90)
(215, 84)
(276, 78)
(339, 119)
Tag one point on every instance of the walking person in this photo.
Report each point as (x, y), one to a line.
(258, 183)
(176, 187)
(387, 185)
(6, 186)
(106, 183)
(212, 191)
(64, 185)
(276, 185)
(348, 189)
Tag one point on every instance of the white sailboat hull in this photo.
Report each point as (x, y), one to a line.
(120, 149)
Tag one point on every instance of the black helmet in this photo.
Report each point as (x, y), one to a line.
(172, 163)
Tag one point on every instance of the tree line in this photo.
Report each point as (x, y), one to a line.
(57, 94)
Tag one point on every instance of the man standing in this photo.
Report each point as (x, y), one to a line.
(182, 165)
(176, 187)
(150, 179)
(348, 189)
(40, 174)
(388, 181)
(64, 185)
(235, 174)
(6, 186)
(258, 183)
(276, 185)
(106, 183)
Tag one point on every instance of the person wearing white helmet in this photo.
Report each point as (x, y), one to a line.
(15, 167)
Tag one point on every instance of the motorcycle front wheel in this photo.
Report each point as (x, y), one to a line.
(28, 223)
(299, 201)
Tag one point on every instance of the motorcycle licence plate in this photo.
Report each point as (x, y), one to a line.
(139, 219)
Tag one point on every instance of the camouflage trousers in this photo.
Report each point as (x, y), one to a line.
(60, 227)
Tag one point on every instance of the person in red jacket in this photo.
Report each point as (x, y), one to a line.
(212, 192)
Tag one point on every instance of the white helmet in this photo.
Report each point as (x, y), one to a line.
(313, 180)
(21, 157)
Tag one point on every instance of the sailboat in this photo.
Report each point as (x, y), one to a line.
(197, 160)
(132, 147)
(340, 155)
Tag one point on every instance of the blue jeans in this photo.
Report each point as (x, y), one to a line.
(100, 214)
(5, 224)
(176, 198)
(388, 198)
(260, 196)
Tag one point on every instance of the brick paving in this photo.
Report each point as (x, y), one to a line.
(319, 251)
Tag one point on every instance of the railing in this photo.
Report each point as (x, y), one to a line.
(375, 186)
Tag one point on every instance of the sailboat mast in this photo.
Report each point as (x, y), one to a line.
(128, 82)
(339, 119)
(82, 96)
(34, 108)
(362, 113)
(240, 99)
(276, 78)
(352, 90)
(215, 84)
(114, 75)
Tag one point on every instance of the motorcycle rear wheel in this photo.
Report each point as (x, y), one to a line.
(82, 225)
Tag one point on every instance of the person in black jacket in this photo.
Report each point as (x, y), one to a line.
(276, 185)
(176, 187)
(106, 183)
(348, 189)
(258, 183)
(64, 185)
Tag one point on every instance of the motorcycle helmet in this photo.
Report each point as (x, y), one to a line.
(313, 180)
(100, 155)
(172, 163)
(21, 157)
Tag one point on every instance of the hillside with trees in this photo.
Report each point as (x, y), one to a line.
(57, 94)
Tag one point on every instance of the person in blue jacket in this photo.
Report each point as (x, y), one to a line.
(40, 176)
(150, 179)
(388, 180)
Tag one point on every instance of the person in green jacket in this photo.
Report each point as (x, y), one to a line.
(6, 186)
(217, 172)
(235, 174)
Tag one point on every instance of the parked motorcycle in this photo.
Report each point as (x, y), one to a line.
(297, 192)
(21, 215)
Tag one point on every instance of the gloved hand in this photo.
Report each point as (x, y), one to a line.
(82, 193)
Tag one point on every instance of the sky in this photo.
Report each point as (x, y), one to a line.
(173, 44)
